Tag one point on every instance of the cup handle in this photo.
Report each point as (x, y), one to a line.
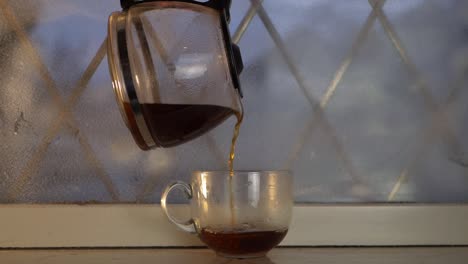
(187, 226)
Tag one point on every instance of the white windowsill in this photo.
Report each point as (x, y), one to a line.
(39, 226)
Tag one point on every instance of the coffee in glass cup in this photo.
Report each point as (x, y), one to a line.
(238, 214)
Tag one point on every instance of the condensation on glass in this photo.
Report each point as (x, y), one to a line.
(362, 101)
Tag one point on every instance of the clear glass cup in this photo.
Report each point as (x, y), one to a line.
(240, 215)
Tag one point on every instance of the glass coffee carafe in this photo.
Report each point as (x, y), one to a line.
(174, 69)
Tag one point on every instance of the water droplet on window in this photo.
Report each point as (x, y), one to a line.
(246, 226)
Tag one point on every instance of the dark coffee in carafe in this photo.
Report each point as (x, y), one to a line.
(174, 124)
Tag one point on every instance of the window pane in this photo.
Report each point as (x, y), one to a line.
(361, 104)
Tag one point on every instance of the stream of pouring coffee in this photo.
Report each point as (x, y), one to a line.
(239, 116)
(235, 135)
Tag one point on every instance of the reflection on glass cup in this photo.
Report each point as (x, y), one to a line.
(240, 215)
